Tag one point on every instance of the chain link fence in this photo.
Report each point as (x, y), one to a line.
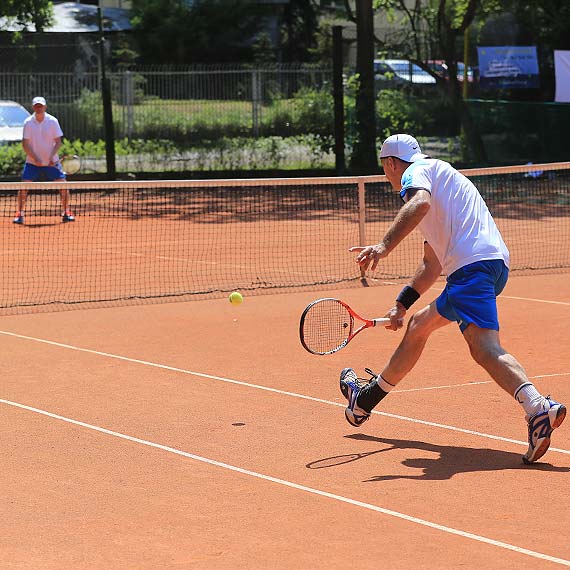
(191, 118)
(280, 117)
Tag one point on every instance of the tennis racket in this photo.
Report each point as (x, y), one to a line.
(71, 164)
(327, 325)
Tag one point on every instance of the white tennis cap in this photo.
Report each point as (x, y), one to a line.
(38, 101)
(404, 147)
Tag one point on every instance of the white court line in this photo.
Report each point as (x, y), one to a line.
(268, 389)
(566, 303)
(186, 260)
(535, 300)
(444, 386)
(283, 482)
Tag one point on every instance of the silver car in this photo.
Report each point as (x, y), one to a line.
(12, 117)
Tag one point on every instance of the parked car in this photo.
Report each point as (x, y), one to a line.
(12, 117)
(407, 71)
(441, 68)
(385, 75)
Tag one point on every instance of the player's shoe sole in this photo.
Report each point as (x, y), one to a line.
(540, 428)
(351, 386)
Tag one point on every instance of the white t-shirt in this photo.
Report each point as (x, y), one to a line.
(458, 225)
(41, 137)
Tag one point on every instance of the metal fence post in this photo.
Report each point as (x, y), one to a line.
(129, 102)
(256, 101)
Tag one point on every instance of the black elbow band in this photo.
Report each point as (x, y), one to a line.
(408, 296)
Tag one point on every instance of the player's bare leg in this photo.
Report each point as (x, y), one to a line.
(67, 216)
(20, 205)
(64, 194)
(486, 350)
(420, 327)
(21, 201)
(543, 414)
(363, 396)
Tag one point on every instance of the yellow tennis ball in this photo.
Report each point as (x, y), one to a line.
(236, 298)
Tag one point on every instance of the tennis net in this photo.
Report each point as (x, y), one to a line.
(146, 241)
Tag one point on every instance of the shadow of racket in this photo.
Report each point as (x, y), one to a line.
(336, 460)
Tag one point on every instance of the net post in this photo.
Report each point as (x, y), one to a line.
(362, 218)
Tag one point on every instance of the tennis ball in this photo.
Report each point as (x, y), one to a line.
(236, 298)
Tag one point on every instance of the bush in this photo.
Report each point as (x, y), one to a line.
(398, 111)
(313, 112)
(12, 159)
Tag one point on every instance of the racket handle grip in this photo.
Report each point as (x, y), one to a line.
(381, 321)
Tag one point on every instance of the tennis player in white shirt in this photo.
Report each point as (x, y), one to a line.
(464, 243)
(42, 139)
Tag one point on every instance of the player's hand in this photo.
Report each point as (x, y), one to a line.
(396, 315)
(370, 254)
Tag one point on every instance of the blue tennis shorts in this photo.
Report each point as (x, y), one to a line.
(470, 294)
(43, 173)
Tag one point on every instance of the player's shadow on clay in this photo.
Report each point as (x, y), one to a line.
(46, 225)
(448, 460)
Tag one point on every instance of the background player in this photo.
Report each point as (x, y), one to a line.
(41, 142)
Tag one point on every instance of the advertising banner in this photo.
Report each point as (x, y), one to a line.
(508, 67)
(562, 72)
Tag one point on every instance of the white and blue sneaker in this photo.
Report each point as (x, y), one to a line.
(540, 427)
(351, 386)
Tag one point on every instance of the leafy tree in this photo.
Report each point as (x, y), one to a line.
(433, 29)
(299, 29)
(263, 49)
(26, 12)
(364, 157)
(175, 31)
(545, 24)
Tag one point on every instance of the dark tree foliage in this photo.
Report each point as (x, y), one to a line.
(300, 23)
(543, 22)
(213, 31)
(26, 12)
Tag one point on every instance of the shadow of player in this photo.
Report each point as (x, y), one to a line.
(448, 460)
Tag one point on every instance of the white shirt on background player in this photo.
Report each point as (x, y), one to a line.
(41, 137)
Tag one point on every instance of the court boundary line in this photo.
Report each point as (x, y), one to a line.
(296, 486)
(273, 390)
(474, 383)
(501, 296)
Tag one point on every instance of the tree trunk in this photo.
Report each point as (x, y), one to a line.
(364, 159)
(475, 149)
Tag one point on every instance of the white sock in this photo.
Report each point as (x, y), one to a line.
(529, 398)
(384, 384)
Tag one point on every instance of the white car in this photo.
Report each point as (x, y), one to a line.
(404, 69)
(12, 117)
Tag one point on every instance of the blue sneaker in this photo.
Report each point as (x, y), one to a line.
(67, 217)
(540, 427)
(351, 386)
(19, 219)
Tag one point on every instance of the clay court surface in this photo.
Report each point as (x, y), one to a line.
(200, 435)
